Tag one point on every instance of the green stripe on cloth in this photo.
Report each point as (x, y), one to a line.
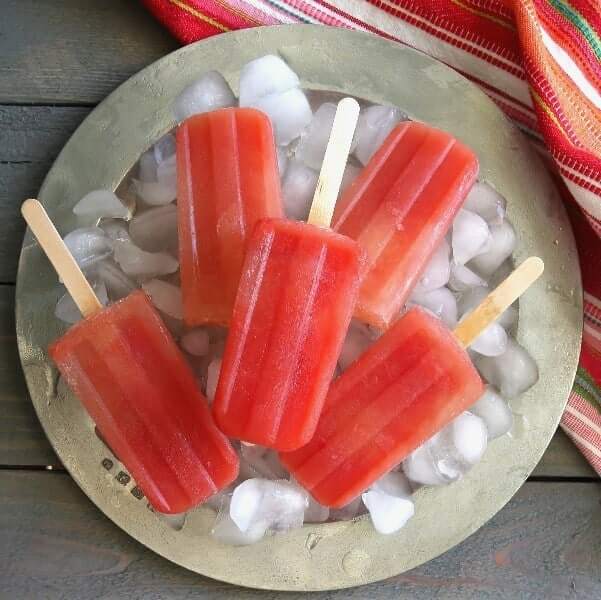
(570, 13)
(585, 387)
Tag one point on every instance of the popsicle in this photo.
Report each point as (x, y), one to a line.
(227, 180)
(412, 382)
(293, 307)
(399, 209)
(127, 371)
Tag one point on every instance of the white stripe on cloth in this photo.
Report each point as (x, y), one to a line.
(582, 442)
(592, 300)
(570, 68)
(570, 409)
(429, 44)
(587, 199)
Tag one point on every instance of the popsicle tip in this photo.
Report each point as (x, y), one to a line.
(29, 205)
(536, 266)
(349, 104)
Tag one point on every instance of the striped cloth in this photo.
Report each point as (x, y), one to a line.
(539, 61)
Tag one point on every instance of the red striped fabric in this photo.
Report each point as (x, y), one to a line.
(539, 61)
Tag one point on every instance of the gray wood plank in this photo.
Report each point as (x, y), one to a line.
(74, 51)
(32, 137)
(544, 544)
(22, 440)
(562, 459)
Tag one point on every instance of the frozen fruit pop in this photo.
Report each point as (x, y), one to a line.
(227, 180)
(412, 382)
(132, 379)
(292, 310)
(399, 209)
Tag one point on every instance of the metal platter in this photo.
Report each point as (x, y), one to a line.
(327, 556)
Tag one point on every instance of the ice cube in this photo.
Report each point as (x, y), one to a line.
(316, 512)
(154, 193)
(441, 302)
(491, 342)
(420, 466)
(350, 174)
(166, 297)
(66, 310)
(209, 92)
(174, 521)
(448, 454)
(164, 148)
(471, 236)
(486, 202)
(118, 284)
(389, 503)
(298, 188)
(101, 204)
(512, 373)
(358, 339)
(155, 230)
(289, 112)
(278, 505)
(88, 245)
(212, 378)
(463, 279)
(469, 437)
(438, 270)
(167, 173)
(373, 126)
(348, 511)
(144, 265)
(147, 166)
(495, 413)
(503, 242)
(282, 153)
(312, 145)
(258, 461)
(471, 298)
(116, 230)
(265, 76)
(196, 342)
(226, 531)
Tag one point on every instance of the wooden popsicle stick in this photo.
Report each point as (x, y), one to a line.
(334, 162)
(493, 306)
(63, 262)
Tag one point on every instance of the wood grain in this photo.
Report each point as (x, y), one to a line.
(22, 440)
(74, 51)
(32, 137)
(544, 544)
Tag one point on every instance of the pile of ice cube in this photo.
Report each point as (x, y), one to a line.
(120, 250)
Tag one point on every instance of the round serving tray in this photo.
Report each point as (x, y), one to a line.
(336, 555)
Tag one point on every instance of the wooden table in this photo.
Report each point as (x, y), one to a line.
(57, 60)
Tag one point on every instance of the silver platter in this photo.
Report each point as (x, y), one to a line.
(327, 556)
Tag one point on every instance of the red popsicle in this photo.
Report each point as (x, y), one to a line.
(412, 382)
(293, 307)
(399, 209)
(292, 311)
(131, 377)
(228, 179)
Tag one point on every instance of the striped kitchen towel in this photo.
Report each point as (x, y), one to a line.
(539, 60)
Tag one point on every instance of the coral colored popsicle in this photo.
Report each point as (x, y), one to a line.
(399, 209)
(132, 379)
(412, 382)
(293, 307)
(228, 179)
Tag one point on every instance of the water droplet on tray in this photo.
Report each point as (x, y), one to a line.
(356, 562)
(312, 540)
